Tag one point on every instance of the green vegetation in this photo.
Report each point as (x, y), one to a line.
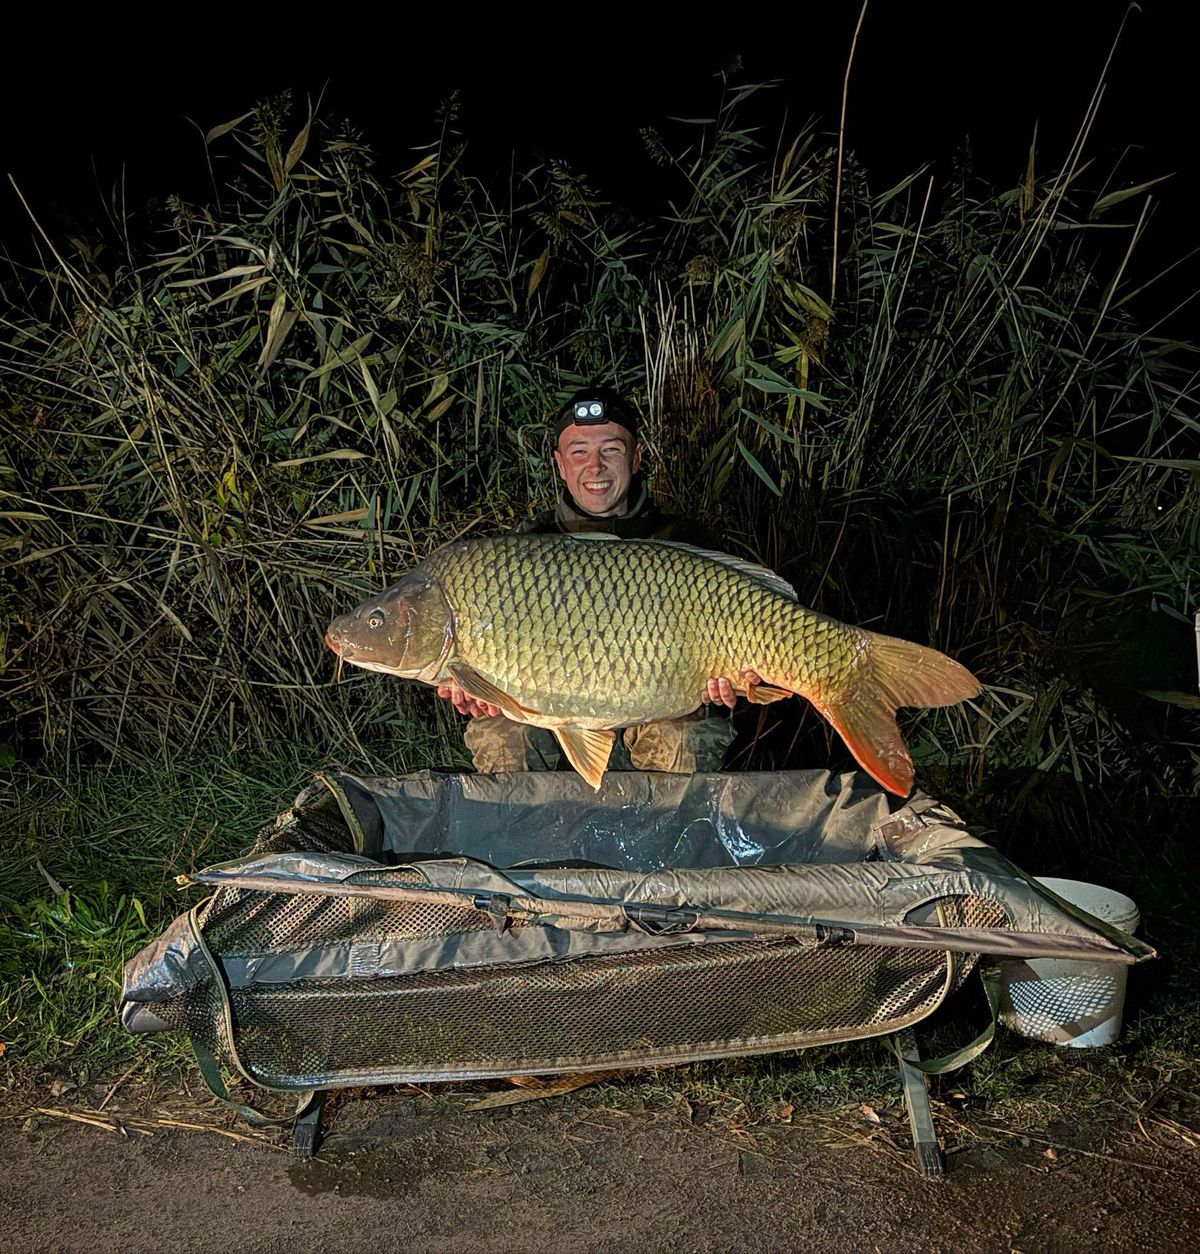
(61, 970)
(89, 879)
(217, 435)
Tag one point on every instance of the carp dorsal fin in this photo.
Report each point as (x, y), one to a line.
(587, 751)
(474, 685)
(752, 569)
(760, 574)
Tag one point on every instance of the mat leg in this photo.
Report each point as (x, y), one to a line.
(920, 1117)
(306, 1131)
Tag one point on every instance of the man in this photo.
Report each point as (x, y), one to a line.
(598, 457)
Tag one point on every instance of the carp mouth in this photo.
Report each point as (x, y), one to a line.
(345, 653)
(363, 664)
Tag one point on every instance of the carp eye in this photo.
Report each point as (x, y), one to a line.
(375, 619)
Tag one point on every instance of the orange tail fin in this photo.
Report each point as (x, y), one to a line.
(900, 673)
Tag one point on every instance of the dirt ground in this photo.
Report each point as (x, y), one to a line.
(595, 1170)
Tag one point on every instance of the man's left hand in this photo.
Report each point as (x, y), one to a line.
(464, 703)
(721, 690)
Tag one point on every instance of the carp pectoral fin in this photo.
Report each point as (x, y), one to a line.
(587, 751)
(474, 685)
(764, 694)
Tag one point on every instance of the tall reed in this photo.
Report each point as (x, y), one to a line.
(218, 439)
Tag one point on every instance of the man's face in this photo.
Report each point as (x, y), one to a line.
(597, 464)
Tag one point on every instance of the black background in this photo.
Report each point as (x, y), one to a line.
(123, 102)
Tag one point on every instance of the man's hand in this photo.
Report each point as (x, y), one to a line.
(722, 689)
(464, 703)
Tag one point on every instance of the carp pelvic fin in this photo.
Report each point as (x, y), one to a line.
(474, 685)
(900, 673)
(587, 751)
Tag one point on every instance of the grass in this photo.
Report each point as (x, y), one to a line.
(1022, 1084)
(90, 861)
(61, 966)
(90, 864)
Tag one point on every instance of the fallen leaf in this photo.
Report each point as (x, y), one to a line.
(699, 1113)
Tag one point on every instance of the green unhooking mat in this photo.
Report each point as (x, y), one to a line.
(442, 926)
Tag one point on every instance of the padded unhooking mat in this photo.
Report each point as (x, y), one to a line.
(441, 926)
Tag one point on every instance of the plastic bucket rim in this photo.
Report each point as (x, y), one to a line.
(1119, 909)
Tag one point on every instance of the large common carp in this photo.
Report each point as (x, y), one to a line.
(583, 634)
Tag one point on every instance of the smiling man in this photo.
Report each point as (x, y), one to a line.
(597, 464)
(598, 456)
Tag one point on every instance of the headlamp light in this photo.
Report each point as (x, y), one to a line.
(589, 413)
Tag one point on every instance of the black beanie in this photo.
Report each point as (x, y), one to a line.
(594, 406)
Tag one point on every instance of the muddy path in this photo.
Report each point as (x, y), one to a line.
(595, 1170)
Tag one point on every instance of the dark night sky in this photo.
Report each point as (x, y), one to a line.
(924, 77)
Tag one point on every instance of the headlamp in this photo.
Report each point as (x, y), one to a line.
(593, 408)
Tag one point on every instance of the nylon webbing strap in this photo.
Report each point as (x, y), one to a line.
(210, 1069)
(990, 978)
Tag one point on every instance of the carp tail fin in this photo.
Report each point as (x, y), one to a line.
(901, 673)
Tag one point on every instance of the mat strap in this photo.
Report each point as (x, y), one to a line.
(210, 1069)
(990, 978)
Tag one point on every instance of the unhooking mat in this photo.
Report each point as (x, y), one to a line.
(443, 926)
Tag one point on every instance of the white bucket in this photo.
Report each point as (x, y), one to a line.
(1070, 1002)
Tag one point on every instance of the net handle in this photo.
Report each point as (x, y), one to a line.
(653, 917)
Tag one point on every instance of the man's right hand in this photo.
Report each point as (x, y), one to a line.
(464, 703)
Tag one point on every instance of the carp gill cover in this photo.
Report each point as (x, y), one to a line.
(585, 634)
